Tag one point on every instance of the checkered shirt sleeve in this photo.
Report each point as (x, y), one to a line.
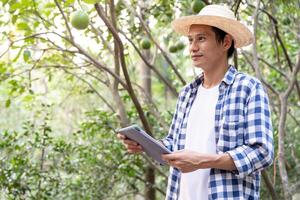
(257, 151)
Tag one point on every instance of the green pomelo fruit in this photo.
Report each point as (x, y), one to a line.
(286, 21)
(145, 43)
(173, 48)
(80, 20)
(197, 5)
(179, 45)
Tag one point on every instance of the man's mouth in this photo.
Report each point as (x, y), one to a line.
(196, 57)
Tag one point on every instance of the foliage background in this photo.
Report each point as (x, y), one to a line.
(60, 101)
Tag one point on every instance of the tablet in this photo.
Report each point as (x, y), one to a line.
(151, 146)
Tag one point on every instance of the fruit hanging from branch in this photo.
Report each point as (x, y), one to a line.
(197, 5)
(145, 43)
(179, 45)
(80, 20)
(173, 49)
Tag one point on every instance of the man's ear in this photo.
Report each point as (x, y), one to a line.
(227, 42)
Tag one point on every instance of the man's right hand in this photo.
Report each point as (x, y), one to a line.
(131, 146)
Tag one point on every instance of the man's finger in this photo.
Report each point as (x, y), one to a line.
(129, 146)
(171, 156)
(130, 142)
(174, 163)
(134, 151)
(120, 136)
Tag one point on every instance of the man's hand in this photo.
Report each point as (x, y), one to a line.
(185, 160)
(131, 146)
(188, 161)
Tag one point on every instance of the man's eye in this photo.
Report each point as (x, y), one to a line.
(190, 40)
(201, 38)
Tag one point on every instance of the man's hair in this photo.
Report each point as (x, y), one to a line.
(220, 35)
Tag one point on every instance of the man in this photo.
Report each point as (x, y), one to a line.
(221, 132)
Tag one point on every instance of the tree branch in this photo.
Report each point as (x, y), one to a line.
(237, 7)
(281, 131)
(102, 39)
(116, 96)
(261, 78)
(129, 88)
(294, 77)
(268, 64)
(94, 89)
(269, 185)
(294, 118)
(151, 185)
(172, 89)
(156, 43)
(277, 35)
(65, 19)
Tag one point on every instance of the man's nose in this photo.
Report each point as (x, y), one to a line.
(194, 47)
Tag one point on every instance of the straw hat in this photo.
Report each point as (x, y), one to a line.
(217, 16)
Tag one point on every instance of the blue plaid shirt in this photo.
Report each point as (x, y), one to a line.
(243, 129)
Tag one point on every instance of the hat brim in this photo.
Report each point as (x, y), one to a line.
(242, 36)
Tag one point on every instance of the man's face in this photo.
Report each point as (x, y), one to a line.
(204, 49)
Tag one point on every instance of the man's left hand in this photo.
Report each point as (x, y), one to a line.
(188, 161)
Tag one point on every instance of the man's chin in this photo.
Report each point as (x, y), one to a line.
(198, 65)
(202, 67)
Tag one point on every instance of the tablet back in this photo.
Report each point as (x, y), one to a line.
(151, 146)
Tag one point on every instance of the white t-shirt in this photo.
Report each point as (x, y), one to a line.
(200, 137)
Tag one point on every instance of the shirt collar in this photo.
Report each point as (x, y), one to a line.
(228, 78)
(230, 75)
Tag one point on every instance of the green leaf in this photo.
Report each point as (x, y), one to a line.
(23, 26)
(26, 55)
(49, 5)
(2, 68)
(69, 2)
(36, 24)
(17, 56)
(28, 98)
(29, 40)
(14, 6)
(4, 2)
(13, 83)
(7, 103)
(14, 19)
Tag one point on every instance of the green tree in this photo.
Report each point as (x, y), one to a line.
(64, 91)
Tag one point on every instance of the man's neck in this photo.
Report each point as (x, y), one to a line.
(215, 75)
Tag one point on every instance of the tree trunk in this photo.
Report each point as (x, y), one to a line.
(150, 181)
(269, 185)
(281, 149)
(117, 99)
(145, 74)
